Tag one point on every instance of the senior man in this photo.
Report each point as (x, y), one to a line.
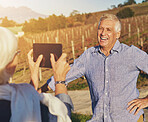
(111, 70)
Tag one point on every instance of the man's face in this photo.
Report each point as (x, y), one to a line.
(107, 35)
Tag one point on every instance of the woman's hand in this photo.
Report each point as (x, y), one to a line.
(60, 68)
(34, 68)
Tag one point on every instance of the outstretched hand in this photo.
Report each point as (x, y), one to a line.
(34, 68)
(60, 67)
(137, 104)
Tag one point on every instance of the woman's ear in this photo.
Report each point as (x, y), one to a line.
(10, 68)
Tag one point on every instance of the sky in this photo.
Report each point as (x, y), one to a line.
(58, 7)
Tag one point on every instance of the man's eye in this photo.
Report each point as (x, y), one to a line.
(108, 29)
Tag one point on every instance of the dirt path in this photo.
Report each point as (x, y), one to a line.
(82, 102)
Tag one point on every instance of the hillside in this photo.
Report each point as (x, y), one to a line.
(54, 22)
(20, 14)
(139, 9)
(23, 13)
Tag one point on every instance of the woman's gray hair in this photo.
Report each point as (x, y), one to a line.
(112, 17)
(8, 47)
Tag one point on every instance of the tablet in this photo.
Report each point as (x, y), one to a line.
(45, 49)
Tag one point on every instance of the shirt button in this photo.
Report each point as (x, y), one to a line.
(106, 93)
(106, 81)
(105, 116)
(106, 70)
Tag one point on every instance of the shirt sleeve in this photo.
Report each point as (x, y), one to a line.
(141, 60)
(67, 101)
(77, 70)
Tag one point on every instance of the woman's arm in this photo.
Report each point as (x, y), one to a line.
(34, 69)
(60, 69)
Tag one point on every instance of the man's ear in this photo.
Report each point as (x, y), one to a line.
(118, 35)
(10, 68)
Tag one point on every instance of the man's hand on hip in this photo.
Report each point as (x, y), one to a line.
(137, 104)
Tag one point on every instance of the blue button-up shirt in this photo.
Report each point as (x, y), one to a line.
(112, 80)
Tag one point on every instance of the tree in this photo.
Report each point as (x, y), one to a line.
(130, 2)
(88, 15)
(41, 24)
(120, 5)
(74, 12)
(125, 13)
(70, 21)
(30, 26)
(144, 1)
(8, 23)
(75, 15)
(76, 19)
(61, 21)
(113, 6)
(53, 22)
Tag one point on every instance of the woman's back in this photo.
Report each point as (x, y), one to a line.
(5, 111)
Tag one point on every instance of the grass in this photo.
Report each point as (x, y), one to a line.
(80, 117)
(78, 84)
(142, 80)
(81, 83)
(15, 29)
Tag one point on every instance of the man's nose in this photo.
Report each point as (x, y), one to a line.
(103, 32)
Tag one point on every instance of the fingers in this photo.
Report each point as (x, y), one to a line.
(39, 60)
(60, 63)
(67, 67)
(139, 108)
(29, 54)
(60, 67)
(132, 103)
(52, 59)
(136, 105)
(63, 57)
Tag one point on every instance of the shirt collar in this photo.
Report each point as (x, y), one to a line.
(116, 48)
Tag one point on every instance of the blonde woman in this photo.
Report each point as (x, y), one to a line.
(21, 102)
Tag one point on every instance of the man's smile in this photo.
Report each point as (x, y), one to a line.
(103, 38)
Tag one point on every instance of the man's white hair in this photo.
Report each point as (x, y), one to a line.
(8, 47)
(112, 17)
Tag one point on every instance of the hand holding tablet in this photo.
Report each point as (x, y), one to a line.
(45, 49)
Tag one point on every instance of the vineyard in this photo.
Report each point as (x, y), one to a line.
(76, 40)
